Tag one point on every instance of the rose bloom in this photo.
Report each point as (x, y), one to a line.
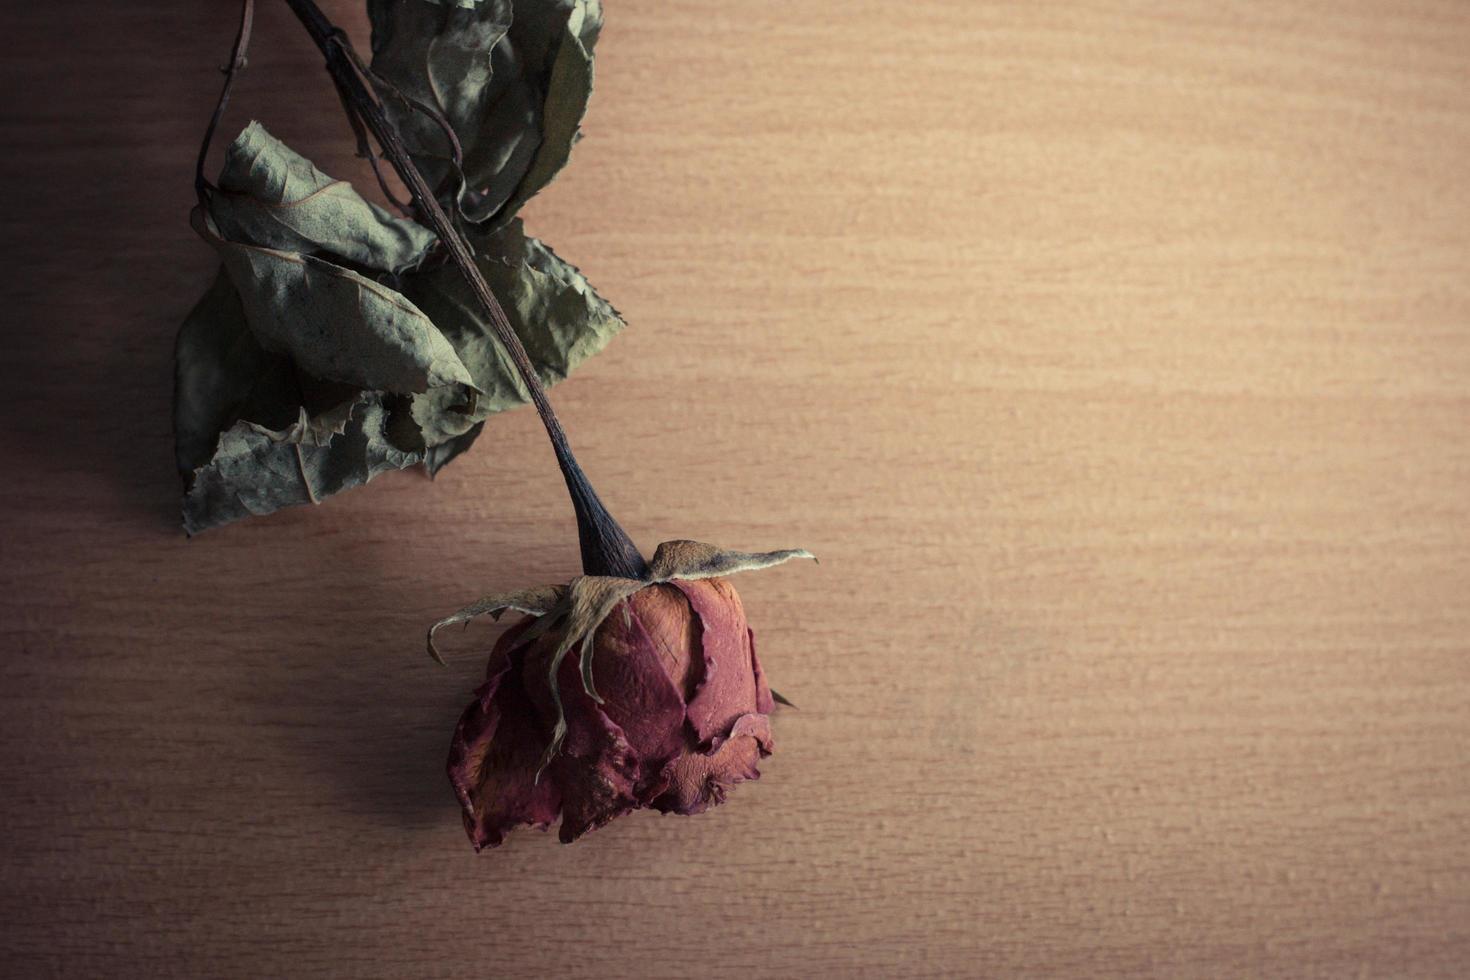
(683, 716)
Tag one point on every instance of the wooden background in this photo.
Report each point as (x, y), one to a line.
(1111, 355)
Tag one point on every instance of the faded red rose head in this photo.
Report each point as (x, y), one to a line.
(664, 706)
(683, 717)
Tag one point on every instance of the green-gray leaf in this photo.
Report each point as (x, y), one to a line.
(438, 456)
(554, 310)
(257, 470)
(218, 368)
(334, 323)
(272, 196)
(568, 90)
(512, 79)
(325, 353)
(440, 55)
(254, 435)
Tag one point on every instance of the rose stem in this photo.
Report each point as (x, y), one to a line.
(606, 547)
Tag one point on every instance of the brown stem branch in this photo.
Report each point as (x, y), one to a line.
(606, 547)
(202, 186)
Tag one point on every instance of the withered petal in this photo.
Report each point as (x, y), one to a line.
(727, 685)
(666, 706)
(698, 781)
(494, 754)
(638, 694)
(596, 773)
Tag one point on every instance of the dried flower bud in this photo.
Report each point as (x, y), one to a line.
(665, 708)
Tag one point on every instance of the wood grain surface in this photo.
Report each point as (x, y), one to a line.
(1111, 355)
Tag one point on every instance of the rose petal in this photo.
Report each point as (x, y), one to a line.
(698, 781)
(681, 719)
(494, 753)
(597, 773)
(669, 622)
(727, 686)
(630, 671)
(511, 643)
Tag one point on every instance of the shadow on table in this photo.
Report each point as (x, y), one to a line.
(99, 261)
(358, 709)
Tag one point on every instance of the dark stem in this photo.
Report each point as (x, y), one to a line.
(606, 547)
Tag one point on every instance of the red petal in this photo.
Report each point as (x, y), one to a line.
(727, 685)
(628, 665)
(494, 754)
(670, 624)
(698, 782)
(596, 772)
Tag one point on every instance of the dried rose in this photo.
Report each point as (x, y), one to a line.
(666, 706)
(684, 713)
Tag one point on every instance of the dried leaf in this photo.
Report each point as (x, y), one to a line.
(286, 369)
(334, 323)
(512, 80)
(554, 310)
(218, 368)
(270, 195)
(439, 56)
(324, 303)
(568, 90)
(439, 456)
(532, 602)
(693, 560)
(256, 470)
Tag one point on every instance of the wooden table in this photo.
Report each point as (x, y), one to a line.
(1112, 356)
